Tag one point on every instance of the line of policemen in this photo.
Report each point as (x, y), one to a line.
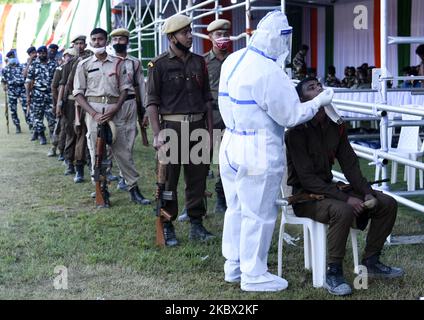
(93, 86)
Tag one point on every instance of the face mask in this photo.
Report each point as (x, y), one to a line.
(13, 61)
(120, 48)
(223, 43)
(182, 47)
(100, 50)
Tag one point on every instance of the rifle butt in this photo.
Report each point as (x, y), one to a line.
(160, 238)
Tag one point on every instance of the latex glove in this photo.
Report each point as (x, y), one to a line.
(370, 201)
(325, 97)
(357, 204)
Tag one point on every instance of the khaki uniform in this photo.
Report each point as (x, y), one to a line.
(60, 138)
(101, 82)
(181, 88)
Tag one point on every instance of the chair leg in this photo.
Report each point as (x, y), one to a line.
(307, 247)
(354, 238)
(394, 172)
(319, 248)
(411, 176)
(280, 246)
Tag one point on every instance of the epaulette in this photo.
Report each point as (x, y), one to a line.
(156, 59)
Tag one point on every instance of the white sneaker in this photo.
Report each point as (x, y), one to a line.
(232, 271)
(266, 282)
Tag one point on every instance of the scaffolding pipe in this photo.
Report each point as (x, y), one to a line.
(405, 40)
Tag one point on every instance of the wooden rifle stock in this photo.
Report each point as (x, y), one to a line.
(102, 198)
(161, 196)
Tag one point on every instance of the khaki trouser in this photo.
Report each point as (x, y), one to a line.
(340, 218)
(122, 149)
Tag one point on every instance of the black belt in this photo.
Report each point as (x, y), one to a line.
(130, 97)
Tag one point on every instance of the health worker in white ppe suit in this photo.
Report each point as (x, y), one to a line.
(257, 100)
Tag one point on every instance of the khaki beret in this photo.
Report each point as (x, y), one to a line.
(78, 37)
(70, 51)
(120, 32)
(219, 24)
(175, 23)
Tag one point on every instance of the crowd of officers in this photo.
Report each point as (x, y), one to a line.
(83, 88)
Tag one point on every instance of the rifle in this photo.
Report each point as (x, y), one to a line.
(100, 167)
(140, 116)
(6, 112)
(347, 187)
(161, 197)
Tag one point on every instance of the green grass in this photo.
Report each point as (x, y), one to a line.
(46, 221)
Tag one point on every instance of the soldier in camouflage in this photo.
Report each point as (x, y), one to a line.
(13, 83)
(39, 96)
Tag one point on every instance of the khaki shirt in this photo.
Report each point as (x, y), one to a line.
(97, 78)
(56, 77)
(135, 75)
(178, 87)
(214, 69)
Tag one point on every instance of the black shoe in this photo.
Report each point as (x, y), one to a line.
(183, 216)
(18, 128)
(137, 197)
(52, 152)
(34, 136)
(376, 269)
(169, 234)
(335, 283)
(221, 204)
(122, 185)
(79, 175)
(61, 157)
(70, 169)
(198, 231)
(43, 139)
(111, 177)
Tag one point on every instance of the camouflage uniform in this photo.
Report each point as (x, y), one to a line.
(41, 96)
(13, 76)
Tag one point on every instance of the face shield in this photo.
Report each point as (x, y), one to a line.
(284, 58)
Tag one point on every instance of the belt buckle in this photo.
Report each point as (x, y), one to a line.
(104, 100)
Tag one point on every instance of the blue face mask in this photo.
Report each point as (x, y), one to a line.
(13, 61)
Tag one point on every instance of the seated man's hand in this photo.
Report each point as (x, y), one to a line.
(370, 201)
(325, 97)
(356, 204)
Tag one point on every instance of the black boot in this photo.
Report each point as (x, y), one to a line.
(137, 197)
(34, 136)
(169, 234)
(376, 269)
(79, 175)
(335, 283)
(18, 128)
(122, 184)
(221, 204)
(43, 139)
(198, 231)
(70, 169)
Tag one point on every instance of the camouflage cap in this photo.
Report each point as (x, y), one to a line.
(175, 23)
(219, 24)
(120, 32)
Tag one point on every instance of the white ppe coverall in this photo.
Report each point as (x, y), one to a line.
(257, 100)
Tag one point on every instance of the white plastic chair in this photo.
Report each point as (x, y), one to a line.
(411, 147)
(315, 243)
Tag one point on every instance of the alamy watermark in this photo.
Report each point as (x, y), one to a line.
(60, 282)
(360, 22)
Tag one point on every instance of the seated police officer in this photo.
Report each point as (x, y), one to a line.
(311, 151)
